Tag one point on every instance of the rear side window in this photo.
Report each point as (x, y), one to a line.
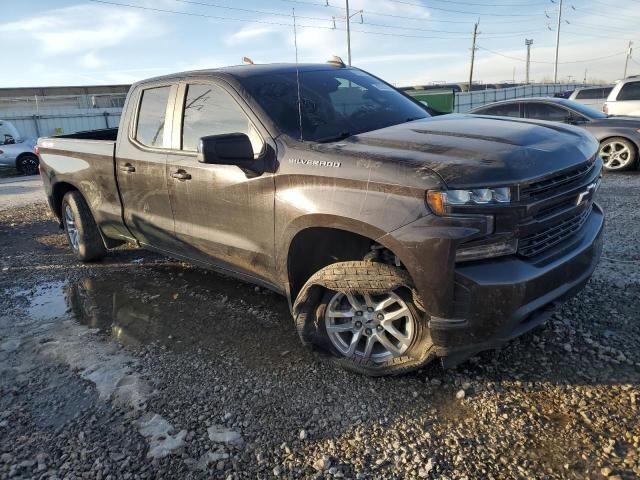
(630, 91)
(153, 106)
(590, 94)
(544, 111)
(210, 110)
(509, 110)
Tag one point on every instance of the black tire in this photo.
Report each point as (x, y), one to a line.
(27, 164)
(625, 162)
(88, 245)
(359, 278)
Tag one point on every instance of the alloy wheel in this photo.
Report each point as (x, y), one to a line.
(616, 155)
(371, 327)
(72, 229)
(29, 165)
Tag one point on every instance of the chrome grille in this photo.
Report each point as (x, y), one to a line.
(536, 243)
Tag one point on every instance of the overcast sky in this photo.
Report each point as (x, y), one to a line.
(407, 42)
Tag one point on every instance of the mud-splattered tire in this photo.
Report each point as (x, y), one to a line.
(81, 229)
(367, 316)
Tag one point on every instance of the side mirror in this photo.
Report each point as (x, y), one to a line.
(574, 120)
(8, 139)
(226, 149)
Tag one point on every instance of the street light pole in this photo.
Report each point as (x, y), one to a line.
(528, 43)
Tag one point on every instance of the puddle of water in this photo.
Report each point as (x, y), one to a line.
(48, 302)
(179, 309)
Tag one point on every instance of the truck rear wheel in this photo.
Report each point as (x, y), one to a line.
(81, 229)
(366, 315)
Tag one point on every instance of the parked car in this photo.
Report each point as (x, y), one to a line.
(624, 99)
(591, 96)
(397, 237)
(565, 94)
(619, 137)
(16, 151)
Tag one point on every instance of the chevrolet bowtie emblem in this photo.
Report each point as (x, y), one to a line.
(582, 196)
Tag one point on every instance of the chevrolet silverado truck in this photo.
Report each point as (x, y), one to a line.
(397, 237)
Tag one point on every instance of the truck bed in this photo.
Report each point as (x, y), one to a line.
(110, 134)
(85, 160)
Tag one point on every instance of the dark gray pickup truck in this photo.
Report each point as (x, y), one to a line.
(397, 237)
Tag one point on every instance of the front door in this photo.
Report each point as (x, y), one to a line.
(223, 215)
(141, 166)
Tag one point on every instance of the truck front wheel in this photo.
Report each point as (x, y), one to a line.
(366, 315)
(81, 229)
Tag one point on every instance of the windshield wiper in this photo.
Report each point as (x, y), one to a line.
(335, 138)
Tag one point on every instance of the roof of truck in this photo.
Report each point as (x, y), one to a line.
(244, 71)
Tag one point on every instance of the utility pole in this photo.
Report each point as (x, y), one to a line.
(555, 65)
(348, 35)
(626, 62)
(473, 53)
(528, 43)
(348, 20)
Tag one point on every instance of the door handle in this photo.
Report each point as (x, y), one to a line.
(181, 175)
(128, 168)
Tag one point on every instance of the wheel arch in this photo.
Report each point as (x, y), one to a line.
(314, 246)
(58, 192)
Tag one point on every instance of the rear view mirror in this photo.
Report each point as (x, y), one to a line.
(226, 149)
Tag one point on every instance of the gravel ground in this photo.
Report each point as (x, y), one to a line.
(144, 367)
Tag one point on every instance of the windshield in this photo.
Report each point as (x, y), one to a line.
(336, 103)
(584, 110)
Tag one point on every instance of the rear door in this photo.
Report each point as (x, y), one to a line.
(224, 216)
(630, 95)
(141, 159)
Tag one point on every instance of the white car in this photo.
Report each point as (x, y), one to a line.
(591, 96)
(624, 99)
(16, 151)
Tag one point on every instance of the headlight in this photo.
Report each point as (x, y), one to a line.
(438, 200)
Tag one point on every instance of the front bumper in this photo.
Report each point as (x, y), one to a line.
(499, 299)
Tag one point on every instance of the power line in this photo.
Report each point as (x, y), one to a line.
(551, 63)
(404, 17)
(264, 22)
(431, 7)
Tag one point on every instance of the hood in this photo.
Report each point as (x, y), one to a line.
(472, 150)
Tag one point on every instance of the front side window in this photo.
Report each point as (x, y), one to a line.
(210, 110)
(153, 106)
(630, 91)
(544, 111)
(334, 103)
